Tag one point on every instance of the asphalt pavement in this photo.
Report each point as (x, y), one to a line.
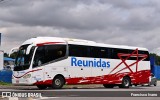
(86, 93)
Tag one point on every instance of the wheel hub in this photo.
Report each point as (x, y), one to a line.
(126, 82)
(57, 82)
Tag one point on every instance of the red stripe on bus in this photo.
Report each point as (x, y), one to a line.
(105, 79)
(41, 44)
(27, 73)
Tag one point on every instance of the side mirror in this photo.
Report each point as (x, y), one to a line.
(28, 49)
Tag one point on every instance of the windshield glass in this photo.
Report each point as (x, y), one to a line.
(23, 60)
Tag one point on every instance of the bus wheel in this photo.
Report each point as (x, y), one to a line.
(135, 84)
(41, 87)
(126, 82)
(58, 82)
(155, 84)
(108, 85)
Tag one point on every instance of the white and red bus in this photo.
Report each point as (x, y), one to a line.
(53, 62)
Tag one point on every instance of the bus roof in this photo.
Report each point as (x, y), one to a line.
(57, 40)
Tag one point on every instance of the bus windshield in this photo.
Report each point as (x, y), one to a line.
(23, 60)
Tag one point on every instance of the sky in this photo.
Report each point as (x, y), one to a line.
(120, 22)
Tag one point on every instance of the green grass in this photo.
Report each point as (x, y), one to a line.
(4, 83)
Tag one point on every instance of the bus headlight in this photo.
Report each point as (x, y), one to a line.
(27, 76)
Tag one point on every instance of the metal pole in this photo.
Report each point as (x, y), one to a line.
(0, 39)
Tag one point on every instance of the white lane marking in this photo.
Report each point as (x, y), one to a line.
(43, 98)
(12, 98)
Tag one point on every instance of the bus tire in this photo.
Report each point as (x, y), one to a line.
(108, 85)
(126, 82)
(41, 87)
(58, 82)
(155, 84)
(135, 84)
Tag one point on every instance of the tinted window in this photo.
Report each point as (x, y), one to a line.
(146, 53)
(102, 52)
(79, 51)
(114, 53)
(99, 52)
(48, 53)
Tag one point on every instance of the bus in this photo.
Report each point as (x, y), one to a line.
(54, 61)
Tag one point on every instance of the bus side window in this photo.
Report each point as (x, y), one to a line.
(79, 51)
(48, 53)
(99, 52)
(144, 52)
(112, 54)
(53, 52)
(109, 53)
(39, 57)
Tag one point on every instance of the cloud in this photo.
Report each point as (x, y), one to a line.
(123, 22)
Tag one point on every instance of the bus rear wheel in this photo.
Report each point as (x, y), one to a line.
(58, 82)
(41, 87)
(108, 85)
(155, 84)
(126, 82)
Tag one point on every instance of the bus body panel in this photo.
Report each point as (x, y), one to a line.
(18, 77)
(85, 70)
(89, 75)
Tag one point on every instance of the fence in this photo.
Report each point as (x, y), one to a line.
(155, 69)
(6, 76)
